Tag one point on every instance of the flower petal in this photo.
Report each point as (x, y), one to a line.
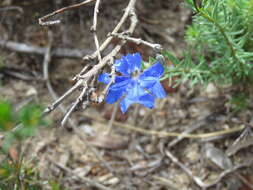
(147, 100)
(114, 95)
(134, 61)
(139, 95)
(155, 70)
(121, 65)
(124, 104)
(147, 82)
(117, 89)
(128, 64)
(134, 91)
(121, 78)
(121, 82)
(104, 78)
(157, 90)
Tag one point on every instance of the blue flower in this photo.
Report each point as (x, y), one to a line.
(136, 87)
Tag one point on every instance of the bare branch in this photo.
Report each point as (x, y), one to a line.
(95, 69)
(11, 8)
(105, 60)
(94, 28)
(58, 52)
(128, 10)
(156, 47)
(79, 100)
(62, 98)
(44, 23)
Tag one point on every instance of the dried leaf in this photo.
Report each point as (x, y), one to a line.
(13, 153)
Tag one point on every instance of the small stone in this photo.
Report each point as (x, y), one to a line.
(103, 178)
(192, 153)
(217, 157)
(31, 92)
(183, 179)
(63, 159)
(82, 171)
(211, 91)
(112, 181)
(150, 149)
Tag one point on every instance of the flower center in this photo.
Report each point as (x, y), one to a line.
(135, 75)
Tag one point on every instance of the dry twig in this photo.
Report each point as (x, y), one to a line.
(129, 12)
(138, 41)
(163, 134)
(79, 100)
(42, 19)
(90, 182)
(197, 180)
(11, 8)
(58, 52)
(94, 28)
(114, 111)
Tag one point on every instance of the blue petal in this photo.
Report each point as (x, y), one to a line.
(121, 65)
(139, 95)
(121, 78)
(147, 82)
(128, 64)
(114, 95)
(134, 91)
(104, 78)
(121, 83)
(157, 90)
(155, 70)
(134, 61)
(124, 104)
(117, 89)
(147, 100)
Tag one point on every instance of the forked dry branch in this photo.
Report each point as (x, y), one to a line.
(85, 80)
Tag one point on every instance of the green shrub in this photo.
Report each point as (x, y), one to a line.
(15, 172)
(219, 44)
